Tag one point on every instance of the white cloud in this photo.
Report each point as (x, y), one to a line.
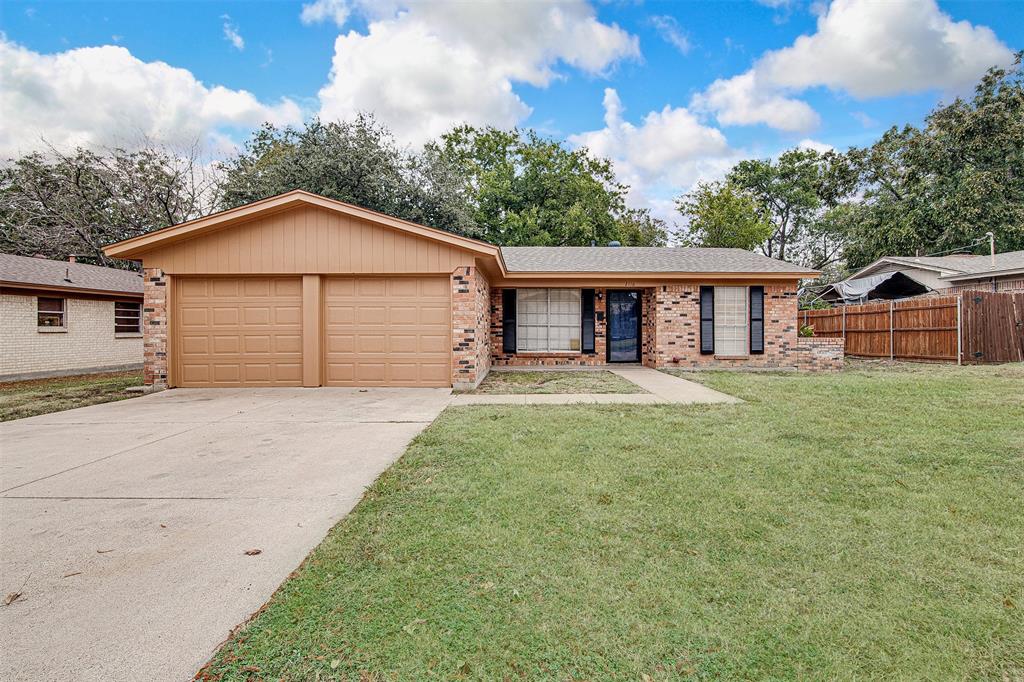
(864, 119)
(862, 48)
(670, 31)
(878, 49)
(743, 100)
(820, 147)
(424, 67)
(325, 10)
(662, 156)
(232, 35)
(104, 96)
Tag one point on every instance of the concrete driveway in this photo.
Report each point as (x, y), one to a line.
(124, 526)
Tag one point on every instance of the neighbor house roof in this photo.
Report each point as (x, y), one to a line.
(42, 273)
(957, 267)
(669, 259)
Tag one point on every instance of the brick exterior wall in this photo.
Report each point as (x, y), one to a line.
(87, 343)
(154, 323)
(820, 354)
(500, 358)
(677, 322)
(670, 334)
(471, 338)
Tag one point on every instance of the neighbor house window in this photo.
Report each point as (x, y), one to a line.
(547, 320)
(127, 317)
(50, 312)
(731, 321)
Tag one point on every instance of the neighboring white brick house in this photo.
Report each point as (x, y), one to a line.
(59, 318)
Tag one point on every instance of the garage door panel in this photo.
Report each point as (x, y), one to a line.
(284, 344)
(377, 286)
(372, 314)
(339, 287)
(433, 344)
(226, 373)
(239, 331)
(252, 316)
(223, 288)
(435, 287)
(193, 317)
(404, 315)
(435, 373)
(224, 317)
(284, 315)
(371, 372)
(386, 331)
(403, 343)
(226, 345)
(434, 315)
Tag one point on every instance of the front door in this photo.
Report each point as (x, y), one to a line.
(623, 326)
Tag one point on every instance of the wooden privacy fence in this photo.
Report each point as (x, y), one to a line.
(972, 326)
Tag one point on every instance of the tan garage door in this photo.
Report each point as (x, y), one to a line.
(238, 331)
(387, 331)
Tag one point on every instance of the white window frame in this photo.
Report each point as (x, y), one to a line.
(745, 324)
(578, 327)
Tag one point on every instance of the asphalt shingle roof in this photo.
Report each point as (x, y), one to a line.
(58, 273)
(969, 265)
(640, 259)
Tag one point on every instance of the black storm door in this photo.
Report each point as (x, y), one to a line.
(623, 326)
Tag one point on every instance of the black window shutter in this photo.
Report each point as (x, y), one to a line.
(588, 320)
(707, 320)
(757, 320)
(508, 320)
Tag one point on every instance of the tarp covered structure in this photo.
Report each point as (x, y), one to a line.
(887, 285)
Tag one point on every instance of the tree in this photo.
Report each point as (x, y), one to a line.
(354, 161)
(945, 185)
(793, 194)
(58, 204)
(528, 190)
(721, 215)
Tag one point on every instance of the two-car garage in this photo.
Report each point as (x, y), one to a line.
(374, 331)
(301, 290)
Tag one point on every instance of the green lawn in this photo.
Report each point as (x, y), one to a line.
(41, 396)
(862, 525)
(554, 381)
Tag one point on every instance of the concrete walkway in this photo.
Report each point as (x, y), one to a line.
(662, 389)
(125, 526)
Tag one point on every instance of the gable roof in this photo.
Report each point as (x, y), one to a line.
(136, 246)
(958, 266)
(668, 259)
(27, 272)
(509, 261)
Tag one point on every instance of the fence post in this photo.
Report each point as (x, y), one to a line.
(891, 332)
(844, 326)
(959, 331)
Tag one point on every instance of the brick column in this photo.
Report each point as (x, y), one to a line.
(471, 339)
(154, 327)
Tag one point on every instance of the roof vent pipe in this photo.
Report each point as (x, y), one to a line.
(614, 243)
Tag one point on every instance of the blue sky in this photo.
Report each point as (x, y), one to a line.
(672, 92)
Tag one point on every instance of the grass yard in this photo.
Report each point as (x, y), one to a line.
(554, 381)
(41, 396)
(862, 525)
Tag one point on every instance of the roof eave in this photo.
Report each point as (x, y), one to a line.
(5, 284)
(658, 275)
(983, 275)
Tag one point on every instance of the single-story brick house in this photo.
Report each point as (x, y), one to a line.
(63, 317)
(301, 290)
